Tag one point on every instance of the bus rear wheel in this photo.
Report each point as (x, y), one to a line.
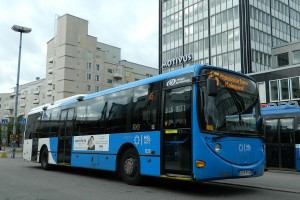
(130, 167)
(44, 159)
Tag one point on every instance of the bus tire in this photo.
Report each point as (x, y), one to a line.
(44, 159)
(130, 167)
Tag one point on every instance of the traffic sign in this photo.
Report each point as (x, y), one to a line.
(22, 120)
(4, 121)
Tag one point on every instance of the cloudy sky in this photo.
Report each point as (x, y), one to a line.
(131, 25)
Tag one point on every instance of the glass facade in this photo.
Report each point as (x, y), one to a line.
(232, 34)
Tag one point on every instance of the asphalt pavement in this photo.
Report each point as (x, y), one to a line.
(276, 180)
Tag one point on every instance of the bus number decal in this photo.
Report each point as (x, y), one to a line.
(136, 127)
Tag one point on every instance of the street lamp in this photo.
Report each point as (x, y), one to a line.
(21, 30)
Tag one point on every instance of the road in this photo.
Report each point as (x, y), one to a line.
(22, 180)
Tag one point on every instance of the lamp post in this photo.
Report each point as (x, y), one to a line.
(21, 30)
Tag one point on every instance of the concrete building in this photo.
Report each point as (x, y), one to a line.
(233, 34)
(76, 64)
(281, 85)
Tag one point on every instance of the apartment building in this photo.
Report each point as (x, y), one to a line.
(76, 63)
(233, 34)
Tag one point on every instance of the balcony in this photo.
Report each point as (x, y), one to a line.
(23, 96)
(36, 91)
(36, 101)
(49, 82)
(116, 83)
(50, 71)
(50, 60)
(9, 107)
(7, 114)
(22, 103)
(49, 93)
(117, 74)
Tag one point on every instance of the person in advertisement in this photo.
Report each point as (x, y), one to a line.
(91, 143)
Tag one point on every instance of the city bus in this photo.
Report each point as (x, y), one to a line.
(282, 135)
(197, 123)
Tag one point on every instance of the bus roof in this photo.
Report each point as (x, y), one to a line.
(278, 110)
(74, 99)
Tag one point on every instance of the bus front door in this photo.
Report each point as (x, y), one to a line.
(177, 145)
(65, 136)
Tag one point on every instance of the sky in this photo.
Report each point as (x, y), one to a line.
(131, 25)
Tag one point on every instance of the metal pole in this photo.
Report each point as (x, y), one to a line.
(16, 102)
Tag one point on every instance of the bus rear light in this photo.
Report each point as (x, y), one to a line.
(200, 163)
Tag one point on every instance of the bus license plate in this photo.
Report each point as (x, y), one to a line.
(245, 173)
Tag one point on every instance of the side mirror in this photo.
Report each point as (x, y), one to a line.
(211, 87)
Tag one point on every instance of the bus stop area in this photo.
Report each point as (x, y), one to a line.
(6, 152)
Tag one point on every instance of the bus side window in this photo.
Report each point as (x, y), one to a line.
(95, 117)
(297, 134)
(54, 122)
(117, 111)
(80, 119)
(144, 108)
(31, 124)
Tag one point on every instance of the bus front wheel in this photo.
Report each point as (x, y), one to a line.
(44, 159)
(130, 167)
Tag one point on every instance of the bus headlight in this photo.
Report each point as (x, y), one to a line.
(218, 147)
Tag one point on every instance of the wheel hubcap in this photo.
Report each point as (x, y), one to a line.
(129, 166)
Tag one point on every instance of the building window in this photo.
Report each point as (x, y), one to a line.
(295, 89)
(97, 88)
(273, 91)
(109, 70)
(89, 55)
(89, 76)
(109, 81)
(283, 59)
(262, 92)
(89, 66)
(98, 67)
(296, 57)
(97, 78)
(88, 88)
(284, 89)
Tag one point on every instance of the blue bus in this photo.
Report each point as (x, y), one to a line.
(197, 123)
(281, 125)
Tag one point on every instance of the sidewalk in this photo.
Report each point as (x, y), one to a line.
(6, 152)
(276, 180)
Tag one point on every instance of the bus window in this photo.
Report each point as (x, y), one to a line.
(116, 116)
(297, 134)
(45, 124)
(80, 118)
(31, 123)
(54, 122)
(178, 108)
(145, 104)
(271, 131)
(95, 119)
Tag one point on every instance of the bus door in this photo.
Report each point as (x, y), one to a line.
(280, 143)
(177, 146)
(65, 136)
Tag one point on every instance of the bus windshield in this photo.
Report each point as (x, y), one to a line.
(234, 109)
